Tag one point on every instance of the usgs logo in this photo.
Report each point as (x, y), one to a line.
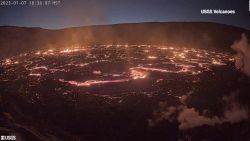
(8, 138)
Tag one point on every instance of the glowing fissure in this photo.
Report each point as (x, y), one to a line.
(94, 82)
(140, 59)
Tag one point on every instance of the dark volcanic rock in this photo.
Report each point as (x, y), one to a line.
(15, 40)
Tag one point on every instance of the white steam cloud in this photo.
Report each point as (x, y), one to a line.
(233, 113)
(242, 59)
(190, 117)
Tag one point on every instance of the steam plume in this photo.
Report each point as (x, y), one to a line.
(190, 117)
(242, 59)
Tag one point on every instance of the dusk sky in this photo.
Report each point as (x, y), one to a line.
(71, 13)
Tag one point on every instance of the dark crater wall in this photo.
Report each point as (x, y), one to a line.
(14, 40)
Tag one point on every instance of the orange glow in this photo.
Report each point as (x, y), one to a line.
(152, 57)
(136, 74)
(94, 82)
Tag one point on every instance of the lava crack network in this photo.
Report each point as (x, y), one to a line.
(115, 65)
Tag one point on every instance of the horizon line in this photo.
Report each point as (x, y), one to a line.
(112, 24)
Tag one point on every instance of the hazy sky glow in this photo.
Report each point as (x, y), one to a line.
(92, 12)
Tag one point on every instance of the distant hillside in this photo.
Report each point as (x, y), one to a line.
(15, 40)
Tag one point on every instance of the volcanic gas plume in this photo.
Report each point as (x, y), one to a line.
(242, 59)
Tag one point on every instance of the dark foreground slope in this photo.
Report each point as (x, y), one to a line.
(14, 40)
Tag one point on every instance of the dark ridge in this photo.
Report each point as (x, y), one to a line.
(15, 40)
